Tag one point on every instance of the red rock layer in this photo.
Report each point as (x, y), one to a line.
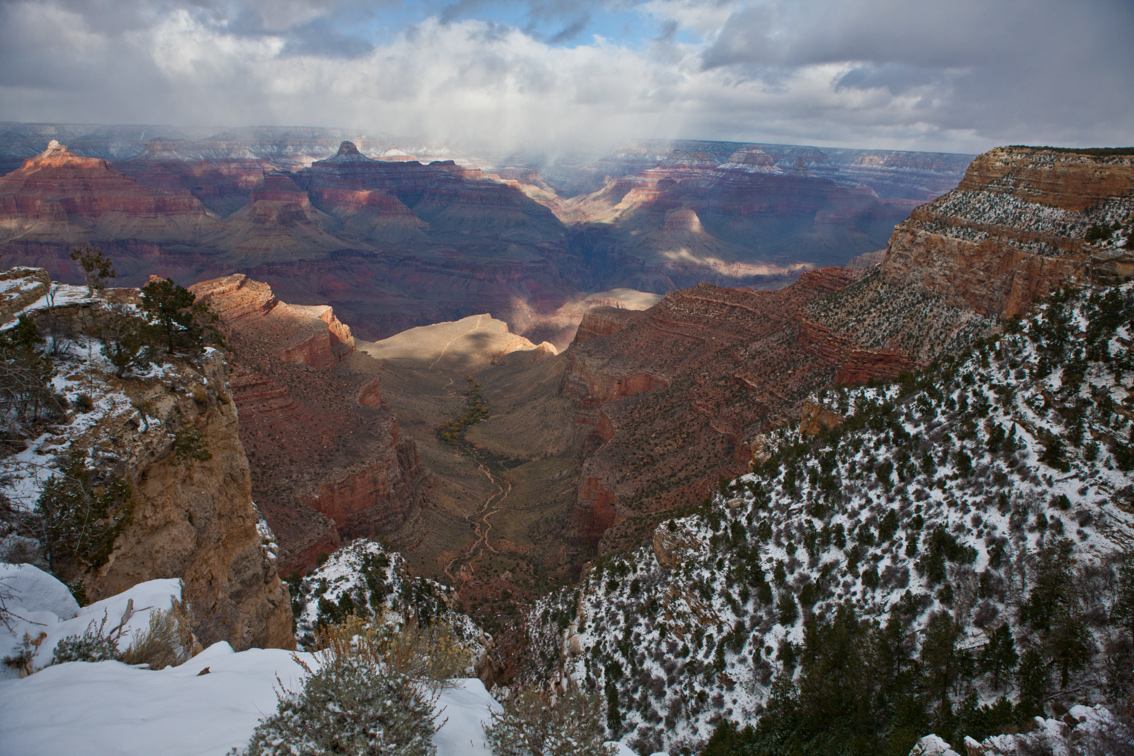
(1014, 229)
(855, 365)
(1069, 180)
(57, 193)
(328, 461)
(603, 321)
(678, 395)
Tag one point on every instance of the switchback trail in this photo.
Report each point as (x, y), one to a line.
(479, 520)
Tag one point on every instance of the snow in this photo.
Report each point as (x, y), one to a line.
(37, 591)
(654, 622)
(931, 745)
(110, 707)
(205, 707)
(465, 711)
(42, 608)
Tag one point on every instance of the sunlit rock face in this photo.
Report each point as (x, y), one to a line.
(1015, 228)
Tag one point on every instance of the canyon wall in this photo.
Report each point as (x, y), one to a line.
(195, 519)
(328, 459)
(1015, 228)
(677, 395)
(171, 433)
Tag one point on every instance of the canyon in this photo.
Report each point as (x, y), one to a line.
(625, 347)
(394, 239)
(586, 450)
(329, 461)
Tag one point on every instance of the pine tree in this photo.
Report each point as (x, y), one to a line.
(182, 322)
(998, 658)
(1122, 614)
(81, 517)
(97, 268)
(124, 341)
(940, 657)
(1033, 677)
(1068, 643)
(1053, 585)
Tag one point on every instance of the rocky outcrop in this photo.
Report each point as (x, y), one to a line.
(312, 336)
(19, 287)
(594, 389)
(328, 459)
(372, 499)
(814, 418)
(323, 346)
(194, 518)
(595, 513)
(1067, 179)
(677, 397)
(1014, 230)
(602, 321)
(855, 365)
(674, 544)
(172, 435)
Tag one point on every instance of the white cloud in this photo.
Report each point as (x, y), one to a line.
(918, 75)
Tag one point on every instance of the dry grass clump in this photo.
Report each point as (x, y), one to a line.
(430, 653)
(167, 642)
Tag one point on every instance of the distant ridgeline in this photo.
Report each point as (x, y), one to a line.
(949, 553)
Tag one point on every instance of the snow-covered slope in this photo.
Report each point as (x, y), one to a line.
(946, 493)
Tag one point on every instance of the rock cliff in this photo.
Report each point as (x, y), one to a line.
(677, 395)
(1015, 228)
(171, 433)
(328, 459)
(58, 195)
(195, 519)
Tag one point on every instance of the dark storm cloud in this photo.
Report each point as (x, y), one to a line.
(895, 78)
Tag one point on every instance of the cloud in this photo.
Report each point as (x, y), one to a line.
(962, 76)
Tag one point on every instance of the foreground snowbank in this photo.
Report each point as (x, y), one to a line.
(109, 707)
(42, 609)
(204, 707)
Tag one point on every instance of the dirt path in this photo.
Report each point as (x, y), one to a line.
(481, 526)
(479, 520)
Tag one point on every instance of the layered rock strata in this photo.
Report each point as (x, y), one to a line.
(172, 435)
(328, 459)
(1015, 228)
(677, 395)
(680, 394)
(195, 519)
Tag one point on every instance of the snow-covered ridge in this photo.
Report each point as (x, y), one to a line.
(934, 496)
(365, 579)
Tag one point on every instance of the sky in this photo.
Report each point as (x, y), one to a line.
(542, 76)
